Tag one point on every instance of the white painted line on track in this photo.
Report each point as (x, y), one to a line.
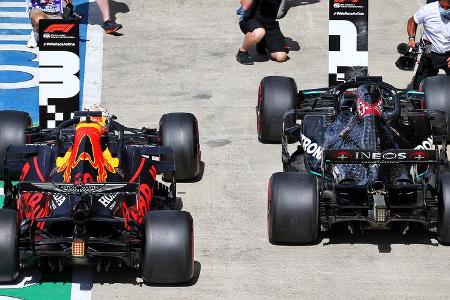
(14, 26)
(81, 283)
(14, 37)
(13, 4)
(92, 93)
(19, 48)
(10, 14)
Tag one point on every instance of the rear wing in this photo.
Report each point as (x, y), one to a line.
(78, 189)
(394, 156)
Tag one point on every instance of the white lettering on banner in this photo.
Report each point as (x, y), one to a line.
(57, 77)
(311, 148)
(348, 54)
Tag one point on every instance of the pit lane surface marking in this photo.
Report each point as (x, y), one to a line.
(19, 64)
(18, 90)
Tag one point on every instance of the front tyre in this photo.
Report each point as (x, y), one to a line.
(293, 208)
(12, 132)
(180, 132)
(277, 95)
(169, 247)
(437, 94)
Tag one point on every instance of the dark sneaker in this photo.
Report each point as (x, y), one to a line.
(110, 26)
(261, 48)
(244, 58)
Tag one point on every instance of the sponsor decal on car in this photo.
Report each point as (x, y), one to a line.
(426, 145)
(311, 148)
(389, 156)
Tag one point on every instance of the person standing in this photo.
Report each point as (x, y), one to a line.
(435, 18)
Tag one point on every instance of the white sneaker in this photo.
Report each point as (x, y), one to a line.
(33, 39)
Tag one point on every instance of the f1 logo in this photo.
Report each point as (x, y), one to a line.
(59, 28)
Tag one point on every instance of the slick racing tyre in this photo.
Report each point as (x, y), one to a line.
(277, 95)
(9, 261)
(293, 208)
(12, 131)
(437, 95)
(443, 228)
(180, 132)
(169, 247)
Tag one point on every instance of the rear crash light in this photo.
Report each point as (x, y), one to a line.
(380, 212)
(78, 248)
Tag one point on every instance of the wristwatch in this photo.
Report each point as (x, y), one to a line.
(412, 37)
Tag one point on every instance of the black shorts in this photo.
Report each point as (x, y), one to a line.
(274, 38)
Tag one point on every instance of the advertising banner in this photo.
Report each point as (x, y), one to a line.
(348, 39)
(59, 66)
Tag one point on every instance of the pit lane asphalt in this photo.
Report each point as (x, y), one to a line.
(179, 56)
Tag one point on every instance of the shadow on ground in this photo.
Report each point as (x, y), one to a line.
(383, 239)
(114, 275)
(91, 14)
(133, 277)
(293, 47)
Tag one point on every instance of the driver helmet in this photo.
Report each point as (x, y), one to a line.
(369, 101)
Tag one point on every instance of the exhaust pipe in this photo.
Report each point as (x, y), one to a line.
(80, 212)
(378, 185)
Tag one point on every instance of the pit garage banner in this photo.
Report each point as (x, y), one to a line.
(348, 39)
(59, 66)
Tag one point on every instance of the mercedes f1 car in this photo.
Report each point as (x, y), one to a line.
(88, 192)
(368, 154)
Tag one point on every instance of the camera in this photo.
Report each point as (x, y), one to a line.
(408, 56)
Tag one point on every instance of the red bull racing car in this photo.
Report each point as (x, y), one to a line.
(368, 155)
(88, 193)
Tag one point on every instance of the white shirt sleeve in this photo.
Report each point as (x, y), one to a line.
(420, 15)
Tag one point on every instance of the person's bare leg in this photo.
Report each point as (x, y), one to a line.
(252, 38)
(103, 5)
(279, 56)
(36, 17)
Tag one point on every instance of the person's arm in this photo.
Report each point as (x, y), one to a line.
(411, 29)
(246, 4)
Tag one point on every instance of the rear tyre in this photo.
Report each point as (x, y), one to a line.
(293, 208)
(12, 131)
(277, 95)
(9, 259)
(437, 94)
(180, 132)
(169, 247)
(443, 228)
